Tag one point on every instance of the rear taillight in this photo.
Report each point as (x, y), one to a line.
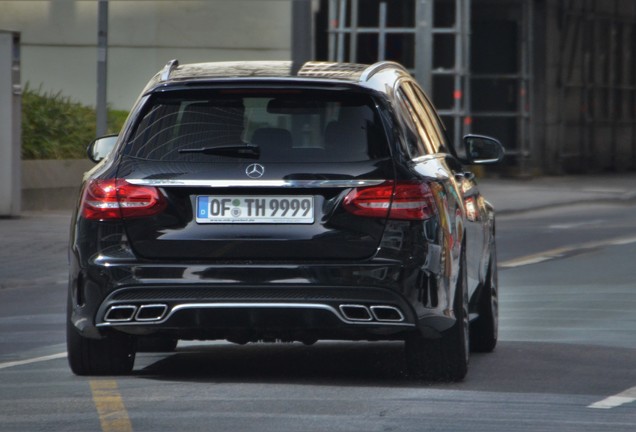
(116, 199)
(395, 200)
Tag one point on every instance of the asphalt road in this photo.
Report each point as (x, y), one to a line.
(565, 361)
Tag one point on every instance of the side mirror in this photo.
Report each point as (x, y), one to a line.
(101, 147)
(482, 150)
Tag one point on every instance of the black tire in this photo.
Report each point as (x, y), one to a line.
(113, 355)
(484, 330)
(446, 358)
(156, 344)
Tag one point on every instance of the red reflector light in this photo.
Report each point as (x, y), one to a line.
(372, 201)
(402, 200)
(116, 199)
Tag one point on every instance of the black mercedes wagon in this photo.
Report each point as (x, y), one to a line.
(255, 201)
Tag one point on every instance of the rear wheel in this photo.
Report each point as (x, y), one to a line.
(445, 358)
(485, 329)
(113, 355)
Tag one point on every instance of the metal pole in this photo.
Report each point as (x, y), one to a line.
(424, 44)
(612, 86)
(102, 67)
(631, 82)
(458, 91)
(302, 33)
(467, 127)
(523, 86)
(332, 26)
(530, 86)
(382, 32)
(597, 50)
(353, 38)
(342, 18)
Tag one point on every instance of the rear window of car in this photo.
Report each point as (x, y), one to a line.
(286, 125)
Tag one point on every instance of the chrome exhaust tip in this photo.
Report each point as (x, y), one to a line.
(120, 313)
(151, 312)
(355, 312)
(387, 313)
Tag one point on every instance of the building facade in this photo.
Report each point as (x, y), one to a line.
(554, 80)
(59, 40)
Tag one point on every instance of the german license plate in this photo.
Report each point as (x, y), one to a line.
(255, 209)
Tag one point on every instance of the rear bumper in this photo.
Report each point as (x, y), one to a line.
(292, 312)
(376, 300)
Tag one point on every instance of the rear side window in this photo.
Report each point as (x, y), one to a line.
(287, 125)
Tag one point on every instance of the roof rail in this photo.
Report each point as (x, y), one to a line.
(331, 69)
(379, 66)
(168, 68)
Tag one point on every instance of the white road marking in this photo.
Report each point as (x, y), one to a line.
(32, 360)
(535, 258)
(628, 396)
(559, 252)
(567, 226)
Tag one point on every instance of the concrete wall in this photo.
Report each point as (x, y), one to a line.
(52, 184)
(59, 40)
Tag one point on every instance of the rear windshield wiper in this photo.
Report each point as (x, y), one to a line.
(243, 151)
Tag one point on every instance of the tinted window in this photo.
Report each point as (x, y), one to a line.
(287, 125)
(415, 145)
(422, 120)
(429, 118)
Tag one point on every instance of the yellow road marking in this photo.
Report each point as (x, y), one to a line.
(110, 406)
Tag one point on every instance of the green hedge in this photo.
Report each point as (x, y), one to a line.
(54, 127)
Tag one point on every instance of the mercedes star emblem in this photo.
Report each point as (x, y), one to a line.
(255, 170)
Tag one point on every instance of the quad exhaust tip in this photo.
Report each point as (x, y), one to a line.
(133, 313)
(356, 312)
(362, 313)
(387, 313)
(152, 312)
(120, 313)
